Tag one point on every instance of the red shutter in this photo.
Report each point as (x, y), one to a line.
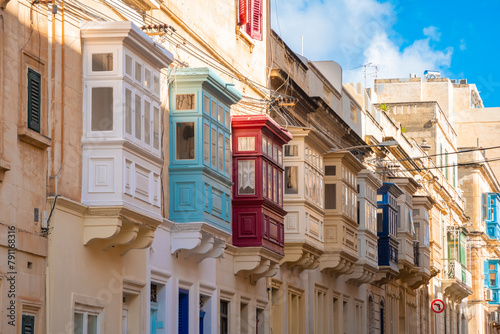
(243, 12)
(254, 26)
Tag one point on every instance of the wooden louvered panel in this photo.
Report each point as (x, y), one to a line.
(34, 100)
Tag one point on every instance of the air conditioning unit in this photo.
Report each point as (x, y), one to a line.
(488, 294)
(494, 316)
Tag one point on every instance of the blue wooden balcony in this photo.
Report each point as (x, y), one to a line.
(387, 226)
(491, 209)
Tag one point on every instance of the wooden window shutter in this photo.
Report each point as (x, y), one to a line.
(243, 12)
(183, 324)
(28, 325)
(34, 100)
(254, 26)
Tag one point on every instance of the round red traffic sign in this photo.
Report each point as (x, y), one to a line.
(437, 306)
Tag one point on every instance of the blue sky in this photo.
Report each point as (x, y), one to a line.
(459, 38)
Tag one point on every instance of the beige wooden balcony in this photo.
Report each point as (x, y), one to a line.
(457, 280)
(341, 227)
(422, 205)
(366, 268)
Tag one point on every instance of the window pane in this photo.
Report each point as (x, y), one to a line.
(206, 143)
(138, 117)
(246, 144)
(147, 78)
(184, 102)
(221, 115)
(147, 122)
(246, 177)
(185, 141)
(102, 62)
(156, 128)
(78, 326)
(275, 185)
(138, 72)
(330, 196)
(269, 182)
(280, 157)
(128, 111)
(270, 148)
(91, 324)
(102, 109)
(128, 65)
(214, 109)
(264, 179)
(227, 120)
(156, 84)
(227, 166)
(280, 188)
(214, 148)
(206, 105)
(291, 180)
(221, 152)
(264, 145)
(275, 153)
(291, 150)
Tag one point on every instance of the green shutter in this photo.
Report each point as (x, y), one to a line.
(28, 325)
(34, 99)
(463, 241)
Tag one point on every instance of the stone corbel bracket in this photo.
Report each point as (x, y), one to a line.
(3, 3)
(197, 241)
(4, 164)
(335, 264)
(255, 262)
(384, 276)
(362, 274)
(118, 227)
(301, 256)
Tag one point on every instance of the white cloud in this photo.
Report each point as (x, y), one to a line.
(354, 33)
(463, 46)
(433, 33)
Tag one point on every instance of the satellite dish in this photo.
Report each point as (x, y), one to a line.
(429, 74)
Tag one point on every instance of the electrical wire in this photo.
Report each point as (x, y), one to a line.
(448, 153)
(461, 164)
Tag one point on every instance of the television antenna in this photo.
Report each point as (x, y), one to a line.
(367, 68)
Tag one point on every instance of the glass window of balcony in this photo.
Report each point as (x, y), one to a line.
(185, 138)
(291, 150)
(291, 180)
(102, 108)
(246, 177)
(246, 144)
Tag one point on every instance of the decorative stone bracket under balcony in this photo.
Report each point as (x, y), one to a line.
(301, 255)
(117, 227)
(4, 167)
(255, 262)
(340, 262)
(422, 262)
(385, 274)
(406, 256)
(366, 268)
(457, 281)
(197, 241)
(364, 272)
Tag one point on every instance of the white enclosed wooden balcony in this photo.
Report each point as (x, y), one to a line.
(406, 234)
(366, 267)
(341, 226)
(303, 198)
